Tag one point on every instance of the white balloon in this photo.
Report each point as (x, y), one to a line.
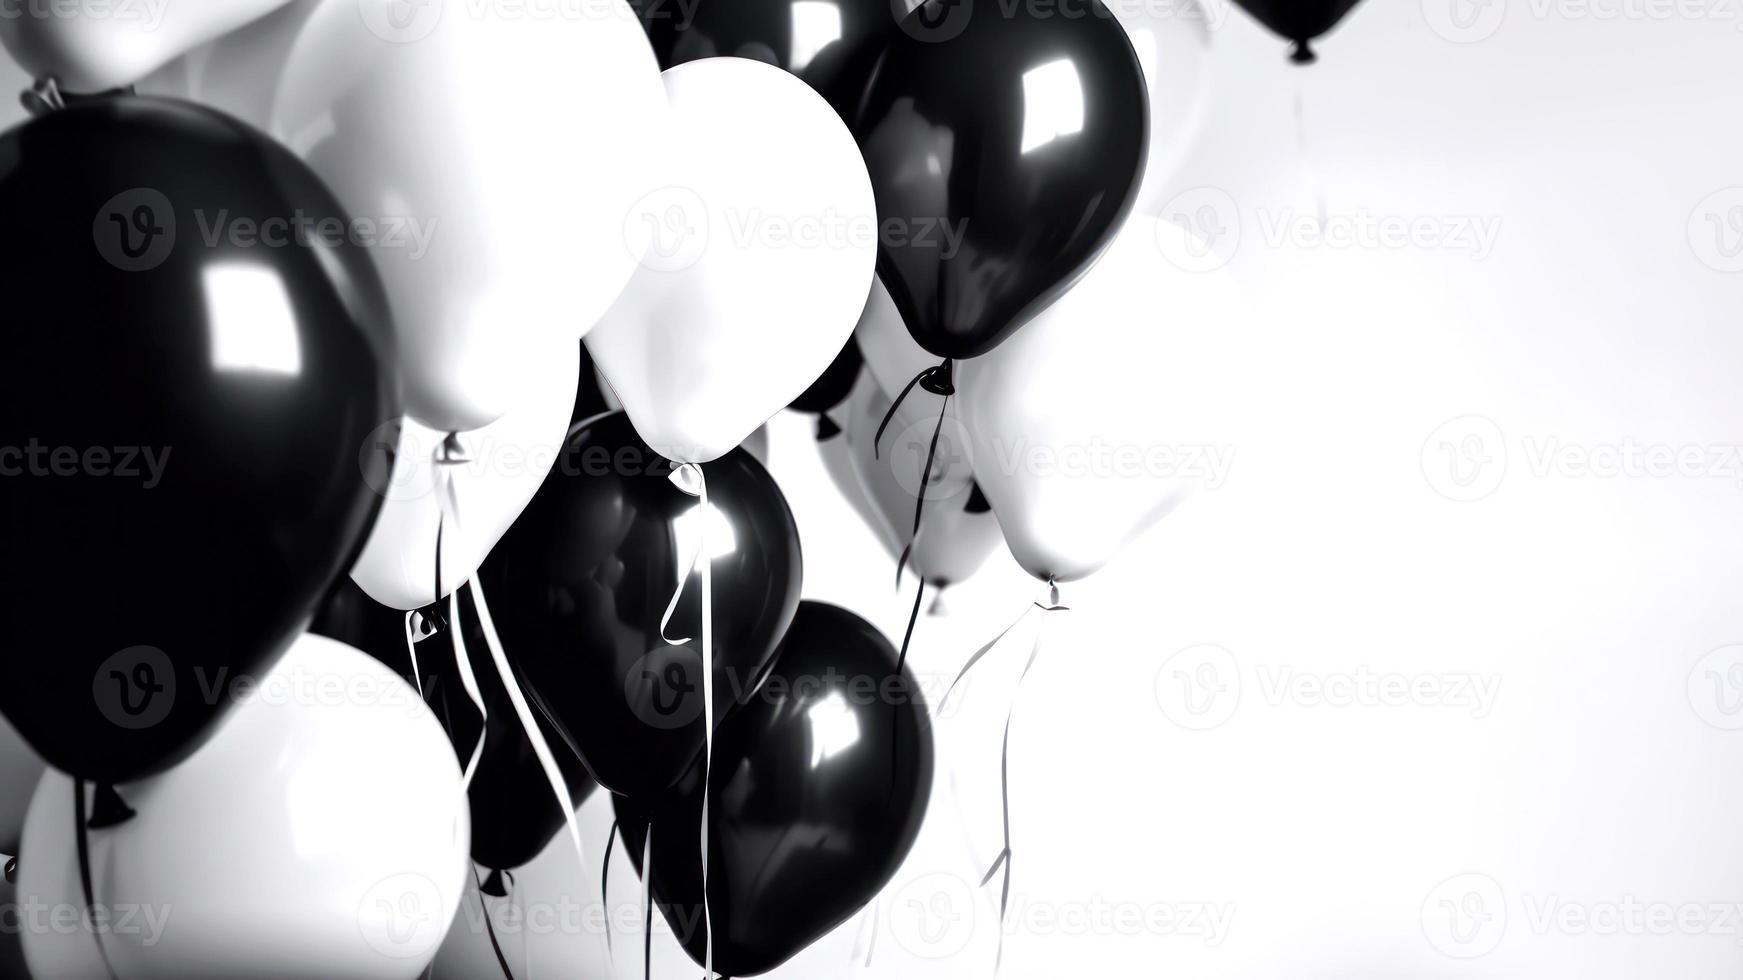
(759, 251)
(501, 467)
(13, 81)
(238, 73)
(94, 47)
(490, 154)
(20, 768)
(1172, 39)
(1081, 422)
(954, 542)
(322, 832)
(890, 351)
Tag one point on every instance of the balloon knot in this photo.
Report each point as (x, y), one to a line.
(940, 380)
(493, 885)
(1303, 54)
(428, 621)
(452, 453)
(43, 98)
(827, 428)
(12, 871)
(687, 477)
(108, 809)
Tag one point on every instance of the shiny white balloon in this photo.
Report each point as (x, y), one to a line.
(494, 477)
(238, 73)
(1084, 422)
(488, 153)
(322, 832)
(757, 254)
(954, 541)
(890, 351)
(91, 47)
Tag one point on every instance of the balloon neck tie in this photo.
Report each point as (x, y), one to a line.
(497, 883)
(452, 452)
(1303, 54)
(43, 97)
(940, 381)
(82, 841)
(108, 809)
(827, 428)
(12, 871)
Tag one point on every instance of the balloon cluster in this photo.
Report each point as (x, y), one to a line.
(341, 577)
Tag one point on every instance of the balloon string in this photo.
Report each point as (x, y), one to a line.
(648, 904)
(411, 643)
(529, 724)
(708, 717)
(605, 890)
(1006, 856)
(490, 930)
(82, 835)
(919, 514)
(469, 681)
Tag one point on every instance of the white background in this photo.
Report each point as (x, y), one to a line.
(1608, 770)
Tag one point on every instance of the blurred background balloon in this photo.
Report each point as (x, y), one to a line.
(816, 794)
(91, 50)
(321, 833)
(759, 253)
(500, 220)
(1096, 414)
(1172, 40)
(19, 770)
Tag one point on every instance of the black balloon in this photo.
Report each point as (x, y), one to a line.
(590, 393)
(1299, 20)
(836, 383)
(180, 422)
(1009, 144)
(580, 583)
(514, 812)
(774, 32)
(819, 787)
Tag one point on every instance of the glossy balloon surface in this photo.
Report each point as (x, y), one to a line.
(182, 419)
(819, 787)
(579, 586)
(91, 48)
(832, 46)
(1008, 146)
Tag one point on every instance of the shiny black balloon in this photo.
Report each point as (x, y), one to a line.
(590, 393)
(819, 787)
(831, 46)
(835, 384)
(514, 813)
(580, 583)
(180, 423)
(1006, 145)
(1299, 20)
